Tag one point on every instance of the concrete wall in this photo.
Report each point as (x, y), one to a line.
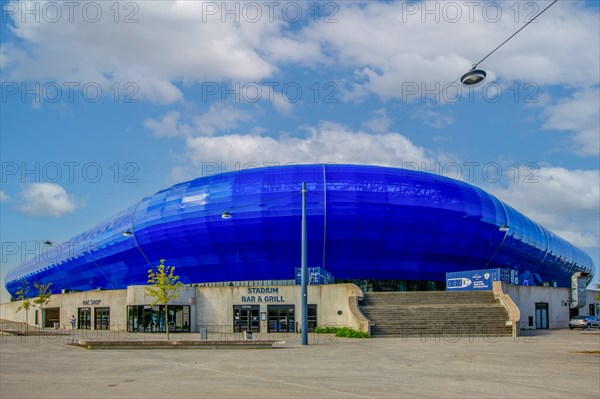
(557, 299)
(211, 306)
(527, 296)
(70, 303)
(591, 296)
(336, 304)
(214, 305)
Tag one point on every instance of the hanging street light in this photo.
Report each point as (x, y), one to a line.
(475, 75)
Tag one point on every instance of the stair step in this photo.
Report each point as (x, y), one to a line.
(435, 313)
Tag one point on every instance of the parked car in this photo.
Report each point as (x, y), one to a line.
(584, 322)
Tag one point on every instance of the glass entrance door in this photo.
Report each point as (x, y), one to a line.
(541, 315)
(246, 318)
(84, 318)
(102, 318)
(281, 318)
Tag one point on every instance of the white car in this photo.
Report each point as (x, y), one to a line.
(584, 322)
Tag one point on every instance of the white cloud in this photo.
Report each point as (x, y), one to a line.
(326, 142)
(579, 114)
(46, 199)
(565, 201)
(428, 48)
(166, 126)
(170, 42)
(4, 197)
(379, 122)
(219, 118)
(435, 119)
(178, 42)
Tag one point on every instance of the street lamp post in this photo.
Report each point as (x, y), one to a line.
(304, 270)
(304, 274)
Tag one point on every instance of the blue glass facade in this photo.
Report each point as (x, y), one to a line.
(364, 222)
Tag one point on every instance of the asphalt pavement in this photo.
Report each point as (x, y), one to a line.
(544, 364)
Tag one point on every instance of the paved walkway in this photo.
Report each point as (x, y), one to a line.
(546, 365)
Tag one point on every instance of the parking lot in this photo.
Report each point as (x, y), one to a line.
(548, 364)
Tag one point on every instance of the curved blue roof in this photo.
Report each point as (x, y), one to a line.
(364, 222)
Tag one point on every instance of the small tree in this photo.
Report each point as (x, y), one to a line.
(23, 295)
(164, 288)
(43, 297)
(598, 296)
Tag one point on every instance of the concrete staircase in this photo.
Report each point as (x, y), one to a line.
(445, 315)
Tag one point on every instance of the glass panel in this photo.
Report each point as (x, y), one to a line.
(102, 318)
(246, 317)
(312, 317)
(281, 318)
(84, 318)
(145, 318)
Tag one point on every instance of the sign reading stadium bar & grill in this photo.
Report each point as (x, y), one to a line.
(270, 297)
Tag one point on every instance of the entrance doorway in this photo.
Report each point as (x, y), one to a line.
(102, 318)
(281, 318)
(541, 315)
(52, 317)
(84, 318)
(246, 318)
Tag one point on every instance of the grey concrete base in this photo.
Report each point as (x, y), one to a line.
(541, 364)
(171, 344)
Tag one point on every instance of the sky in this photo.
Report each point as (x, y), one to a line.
(103, 103)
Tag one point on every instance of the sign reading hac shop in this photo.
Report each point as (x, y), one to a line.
(91, 302)
(267, 295)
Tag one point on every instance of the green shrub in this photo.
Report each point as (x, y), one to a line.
(345, 332)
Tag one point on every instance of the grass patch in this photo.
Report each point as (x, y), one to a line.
(342, 332)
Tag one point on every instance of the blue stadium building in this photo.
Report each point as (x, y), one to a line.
(395, 228)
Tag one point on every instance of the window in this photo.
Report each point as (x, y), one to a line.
(281, 318)
(146, 318)
(102, 318)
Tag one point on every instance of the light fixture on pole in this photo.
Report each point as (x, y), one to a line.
(475, 75)
(131, 233)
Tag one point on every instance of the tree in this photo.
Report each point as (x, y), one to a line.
(43, 297)
(164, 288)
(598, 296)
(23, 295)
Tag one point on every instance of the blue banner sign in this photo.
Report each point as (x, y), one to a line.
(479, 279)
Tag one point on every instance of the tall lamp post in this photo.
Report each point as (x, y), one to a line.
(304, 274)
(304, 270)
